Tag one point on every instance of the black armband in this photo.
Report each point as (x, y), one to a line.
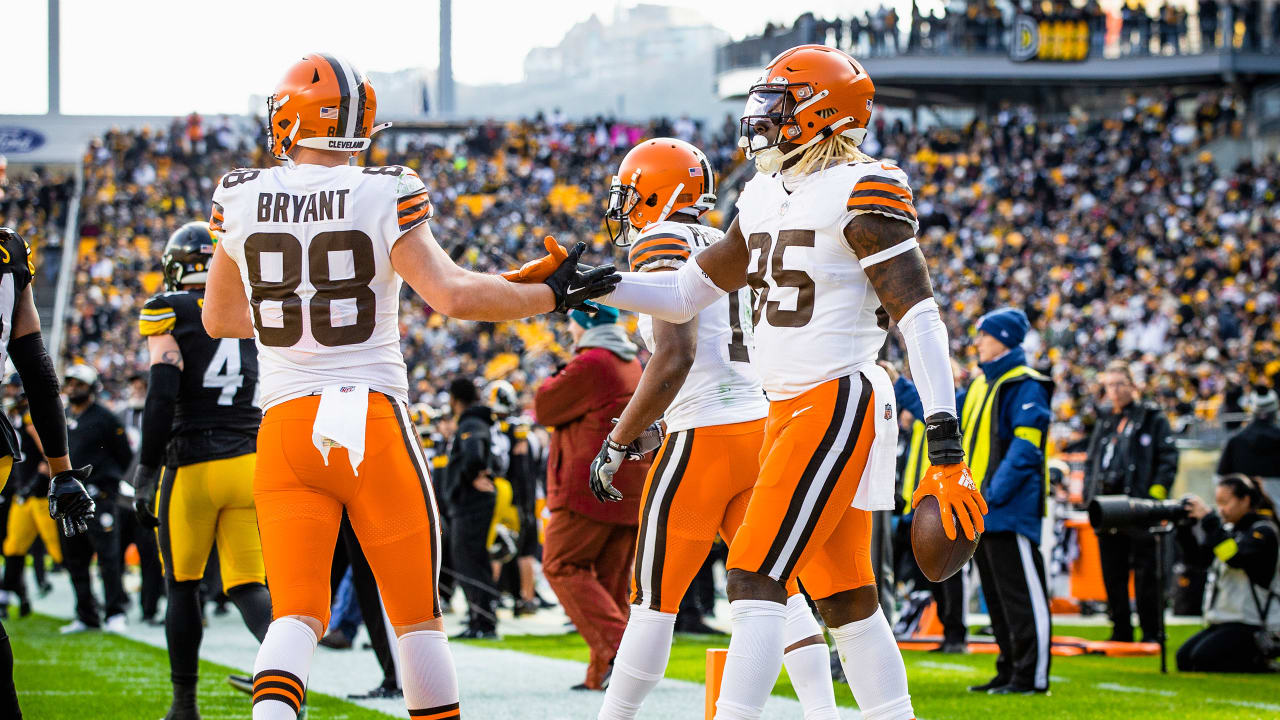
(942, 431)
(157, 414)
(40, 383)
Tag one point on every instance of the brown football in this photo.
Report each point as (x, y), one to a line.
(938, 557)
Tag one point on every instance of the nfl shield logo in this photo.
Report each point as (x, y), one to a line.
(888, 411)
(346, 388)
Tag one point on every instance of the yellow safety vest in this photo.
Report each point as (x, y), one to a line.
(979, 428)
(917, 462)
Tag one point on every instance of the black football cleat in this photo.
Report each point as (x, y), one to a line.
(989, 685)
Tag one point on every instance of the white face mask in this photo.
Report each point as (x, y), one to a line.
(769, 160)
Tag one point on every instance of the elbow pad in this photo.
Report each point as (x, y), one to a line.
(929, 355)
(157, 414)
(40, 383)
(674, 297)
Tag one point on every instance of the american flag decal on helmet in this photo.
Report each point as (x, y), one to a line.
(329, 113)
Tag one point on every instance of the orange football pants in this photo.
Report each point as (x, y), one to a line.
(699, 485)
(800, 520)
(390, 503)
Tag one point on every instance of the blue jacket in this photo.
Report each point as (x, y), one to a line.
(1015, 490)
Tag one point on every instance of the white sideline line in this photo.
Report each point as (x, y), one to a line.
(1114, 687)
(1247, 703)
(954, 667)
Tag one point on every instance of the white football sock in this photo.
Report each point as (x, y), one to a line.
(809, 667)
(281, 668)
(640, 664)
(874, 668)
(427, 674)
(754, 659)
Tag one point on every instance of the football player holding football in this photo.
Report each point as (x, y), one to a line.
(310, 260)
(199, 429)
(20, 340)
(701, 377)
(825, 235)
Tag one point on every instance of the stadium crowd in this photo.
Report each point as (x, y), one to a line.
(1119, 236)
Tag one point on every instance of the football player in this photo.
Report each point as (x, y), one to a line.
(309, 261)
(700, 375)
(69, 502)
(825, 235)
(505, 404)
(199, 428)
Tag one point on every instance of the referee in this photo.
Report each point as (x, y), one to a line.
(1005, 422)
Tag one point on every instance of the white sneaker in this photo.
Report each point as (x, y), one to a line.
(116, 623)
(75, 626)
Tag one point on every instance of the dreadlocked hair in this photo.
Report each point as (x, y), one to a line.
(834, 150)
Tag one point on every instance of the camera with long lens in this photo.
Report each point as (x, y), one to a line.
(1117, 512)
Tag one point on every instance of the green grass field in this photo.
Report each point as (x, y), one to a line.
(99, 675)
(1082, 687)
(106, 676)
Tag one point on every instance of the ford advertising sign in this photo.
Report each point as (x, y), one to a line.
(15, 140)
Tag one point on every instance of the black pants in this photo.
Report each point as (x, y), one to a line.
(471, 564)
(103, 540)
(370, 603)
(1013, 584)
(949, 597)
(1120, 552)
(148, 561)
(1226, 647)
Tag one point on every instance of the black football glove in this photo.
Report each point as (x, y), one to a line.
(145, 480)
(607, 462)
(573, 285)
(69, 503)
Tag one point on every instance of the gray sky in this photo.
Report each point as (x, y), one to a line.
(173, 56)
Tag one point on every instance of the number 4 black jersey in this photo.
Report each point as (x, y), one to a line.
(16, 270)
(219, 378)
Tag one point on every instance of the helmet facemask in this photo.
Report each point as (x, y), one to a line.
(769, 132)
(623, 199)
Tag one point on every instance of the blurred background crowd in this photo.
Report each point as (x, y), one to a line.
(1120, 236)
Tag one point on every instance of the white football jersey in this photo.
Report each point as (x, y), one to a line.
(722, 387)
(816, 315)
(313, 245)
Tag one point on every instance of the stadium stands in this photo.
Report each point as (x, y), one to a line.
(1112, 232)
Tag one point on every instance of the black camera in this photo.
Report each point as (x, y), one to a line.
(1115, 512)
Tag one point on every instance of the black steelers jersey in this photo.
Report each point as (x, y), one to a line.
(219, 377)
(16, 270)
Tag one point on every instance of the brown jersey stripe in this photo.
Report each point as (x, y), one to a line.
(872, 202)
(879, 179)
(411, 201)
(886, 187)
(414, 219)
(660, 239)
(876, 194)
(662, 251)
(413, 210)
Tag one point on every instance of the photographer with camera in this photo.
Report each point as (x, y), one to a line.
(1242, 601)
(1131, 452)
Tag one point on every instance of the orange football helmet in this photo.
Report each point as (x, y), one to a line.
(657, 178)
(809, 93)
(323, 102)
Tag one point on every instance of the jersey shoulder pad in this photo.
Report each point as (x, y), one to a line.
(881, 187)
(413, 203)
(661, 245)
(158, 316)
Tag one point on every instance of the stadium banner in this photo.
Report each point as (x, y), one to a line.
(1049, 40)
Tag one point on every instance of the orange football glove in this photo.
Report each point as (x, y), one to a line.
(954, 488)
(535, 271)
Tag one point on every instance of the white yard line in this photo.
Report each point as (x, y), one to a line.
(1247, 703)
(1131, 689)
(496, 684)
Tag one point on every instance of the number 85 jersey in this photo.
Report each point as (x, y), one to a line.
(313, 246)
(817, 318)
